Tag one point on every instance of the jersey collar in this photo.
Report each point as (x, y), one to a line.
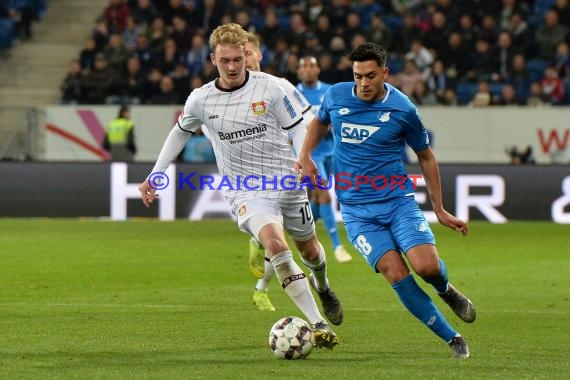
(233, 88)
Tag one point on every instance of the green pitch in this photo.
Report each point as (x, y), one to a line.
(151, 300)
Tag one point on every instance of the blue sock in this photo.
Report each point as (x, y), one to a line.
(315, 211)
(327, 214)
(420, 305)
(440, 281)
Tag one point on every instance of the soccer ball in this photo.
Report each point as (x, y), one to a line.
(291, 338)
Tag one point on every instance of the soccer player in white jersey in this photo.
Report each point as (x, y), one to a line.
(260, 266)
(250, 118)
(372, 121)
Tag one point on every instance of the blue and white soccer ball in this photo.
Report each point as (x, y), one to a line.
(291, 338)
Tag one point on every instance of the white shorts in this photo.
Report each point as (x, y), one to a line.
(292, 213)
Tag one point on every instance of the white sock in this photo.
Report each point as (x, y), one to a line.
(318, 268)
(296, 286)
(263, 283)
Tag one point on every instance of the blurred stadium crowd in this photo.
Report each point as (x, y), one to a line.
(462, 52)
(16, 20)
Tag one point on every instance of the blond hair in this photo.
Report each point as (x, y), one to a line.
(228, 34)
(253, 40)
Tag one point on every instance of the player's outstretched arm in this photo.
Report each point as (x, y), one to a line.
(304, 166)
(173, 145)
(430, 171)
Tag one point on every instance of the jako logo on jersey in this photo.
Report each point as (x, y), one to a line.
(343, 111)
(213, 117)
(384, 117)
(289, 107)
(356, 133)
(242, 133)
(258, 108)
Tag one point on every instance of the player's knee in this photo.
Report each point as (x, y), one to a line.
(275, 245)
(427, 270)
(392, 270)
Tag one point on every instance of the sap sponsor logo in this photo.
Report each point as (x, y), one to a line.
(356, 133)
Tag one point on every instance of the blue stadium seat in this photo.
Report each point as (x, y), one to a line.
(465, 92)
(495, 89)
(395, 64)
(536, 68)
(6, 33)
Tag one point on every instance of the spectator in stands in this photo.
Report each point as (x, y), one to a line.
(367, 10)
(562, 7)
(143, 53)
(116, 53)
(72, 85)
(438, 82)
(198, 55)
(181, 79)
(270, 30)
(468, 30)
(549, 35)
(120, 137)
(156, 35)
(351, 27)
(130, 90)
(489, 29)
(552, 86)
(421, 95)
(379, 33)
(482, 97)
(131, 33)
(175, 8)
(100, 82)
(182, 34)
(144, 12)
(508, 96)
(207, 15)
(101, 35)
(503, 56)
(403, 7)
(422, 57)
(482, 62)
(521, 34)
(519, 77)
(436, 38)
(87, 55)
(562, 60)
(536, 97)
(167, 94)
(404, 36)
(198, 149)
(170, 56)
(151, 84)
(408, 78)
(115, 15)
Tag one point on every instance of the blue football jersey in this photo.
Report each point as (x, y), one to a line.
(369, 138)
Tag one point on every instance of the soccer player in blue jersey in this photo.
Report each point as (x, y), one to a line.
(314, 90)
(371, 122)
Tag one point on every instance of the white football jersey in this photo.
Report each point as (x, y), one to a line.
(248, 127)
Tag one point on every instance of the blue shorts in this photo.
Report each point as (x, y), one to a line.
(376, 228)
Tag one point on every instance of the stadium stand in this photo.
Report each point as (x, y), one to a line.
(328, 29)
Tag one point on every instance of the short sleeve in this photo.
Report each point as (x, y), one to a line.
(414, 131)
(324, 110)
(288, 113)
(188, 121)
